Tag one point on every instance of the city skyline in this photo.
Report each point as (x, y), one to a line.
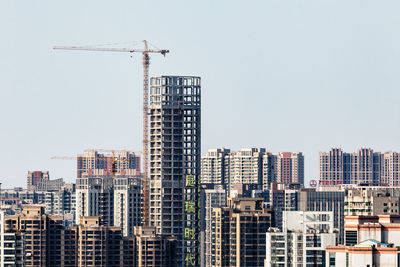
(312, 82)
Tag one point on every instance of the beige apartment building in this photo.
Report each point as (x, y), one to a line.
(36, 239)
(98, 245)
(153, 249)
(41, 235)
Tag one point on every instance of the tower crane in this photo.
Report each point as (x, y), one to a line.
(146, 51)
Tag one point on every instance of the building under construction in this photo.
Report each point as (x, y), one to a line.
(175, 162)
(122, 162)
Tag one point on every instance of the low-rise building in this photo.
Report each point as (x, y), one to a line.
(369, 241)
(372, 201)
(367, 253)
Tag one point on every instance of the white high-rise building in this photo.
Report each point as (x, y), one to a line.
(213, 198)
(303, 240)
(117, 200)
(94, 197)
(213, 166)
(245, 166)
(127, 204)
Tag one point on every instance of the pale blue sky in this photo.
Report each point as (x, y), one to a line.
(300, 75)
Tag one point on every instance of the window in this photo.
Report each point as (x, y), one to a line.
(351, 238)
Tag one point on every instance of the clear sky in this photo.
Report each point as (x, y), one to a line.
(303, 75)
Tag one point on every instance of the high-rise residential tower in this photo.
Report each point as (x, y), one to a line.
(269, 169)
(361, 167)
(334, 167)
(238, 233)
(211, 198)
(290, 168)
(175, 162)
(245, 166)
(248, 166)
(365, 167)
(116, 200)
(213, 166)
(390, 169)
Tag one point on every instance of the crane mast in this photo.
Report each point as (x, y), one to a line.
(146, 64)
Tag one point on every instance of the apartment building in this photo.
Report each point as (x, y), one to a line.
(95, 197)
(290, 168)
(57, 202)
(116, 200)
(41, 235)
(282, 197)
(11, 246)
(98, 244)
(326, 200)
(210, 198)
(269, 169)
(303, 240)
(153, 249)
(127, 203)
(251, 166)
(363, 167)
(37, 179)
(366, 253)
(60, 202)
(245, 166)
(372, 201)
(390, 169)
(239, 232)
(334, 167)
(213, 166)
(36, 239)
